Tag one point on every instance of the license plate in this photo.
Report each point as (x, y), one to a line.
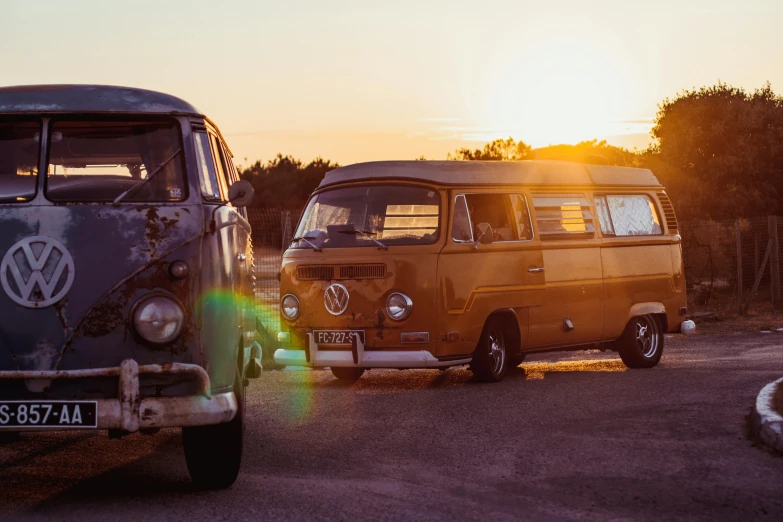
(337, 336)
(48, 414)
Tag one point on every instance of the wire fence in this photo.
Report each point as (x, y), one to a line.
(272, 233)
(731, 262)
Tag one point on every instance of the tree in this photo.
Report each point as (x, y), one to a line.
(498, 150)
(285, 182)
(720, 151)
(593, 151)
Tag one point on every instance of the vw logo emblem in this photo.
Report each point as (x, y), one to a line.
(336, 298)
(37, 271)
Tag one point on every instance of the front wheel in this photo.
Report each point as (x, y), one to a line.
(347, 374)
(489, 362)
(641, 344)
(214, 453)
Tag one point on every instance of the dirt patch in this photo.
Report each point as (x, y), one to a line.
(722, 318)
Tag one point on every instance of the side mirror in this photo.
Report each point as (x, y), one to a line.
(485, 235)
(240, 194)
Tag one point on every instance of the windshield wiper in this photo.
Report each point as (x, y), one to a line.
(135, 188)
(369, 234)
(307, 239)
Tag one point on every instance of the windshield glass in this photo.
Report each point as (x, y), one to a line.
(99, 160)
(19, 142)
(392, 214)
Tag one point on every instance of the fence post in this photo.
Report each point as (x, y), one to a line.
(774, 258)
(738, 233)
(285, 228)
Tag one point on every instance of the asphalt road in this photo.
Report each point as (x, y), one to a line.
(563, 437)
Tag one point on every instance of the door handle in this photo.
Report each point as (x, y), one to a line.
(535, 270)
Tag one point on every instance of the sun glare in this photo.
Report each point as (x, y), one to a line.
(560, 92)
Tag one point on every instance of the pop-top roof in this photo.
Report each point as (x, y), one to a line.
(555, 173)
(89, 98)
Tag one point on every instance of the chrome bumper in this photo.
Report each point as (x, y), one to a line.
(359, 358)
(130, 413)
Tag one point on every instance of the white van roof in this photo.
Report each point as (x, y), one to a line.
(538, 172)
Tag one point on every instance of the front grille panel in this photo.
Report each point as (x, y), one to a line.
(329, 272)
(668, 212)
(362, 271)
(314, 272)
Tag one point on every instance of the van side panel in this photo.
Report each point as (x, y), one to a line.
(638, 272)
(574, 290)
(474, 283)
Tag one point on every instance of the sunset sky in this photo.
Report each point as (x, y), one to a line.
(361, 80)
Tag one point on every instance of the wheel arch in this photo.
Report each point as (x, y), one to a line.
(511, 322)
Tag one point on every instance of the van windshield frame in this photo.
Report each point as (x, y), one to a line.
(362, 215)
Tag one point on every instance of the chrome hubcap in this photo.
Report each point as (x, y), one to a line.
(497, 352)
(646, 337)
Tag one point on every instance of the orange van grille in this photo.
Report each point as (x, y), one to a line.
(668, 212)
(362, 271)
(327, 272)
(311, 272)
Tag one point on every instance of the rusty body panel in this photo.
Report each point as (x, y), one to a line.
(85, 345)
(559, 292)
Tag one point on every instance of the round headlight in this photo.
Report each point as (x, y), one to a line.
(289, 305)
(158, 319)
(399, 306)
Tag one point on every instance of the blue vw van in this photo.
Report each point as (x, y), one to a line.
(126, 271)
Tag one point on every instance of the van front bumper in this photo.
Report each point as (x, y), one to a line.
(129, 412)
(357, 357)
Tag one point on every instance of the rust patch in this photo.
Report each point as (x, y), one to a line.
(149, 413)
(103, 319)
(379, 324)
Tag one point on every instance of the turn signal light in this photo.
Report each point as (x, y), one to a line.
(284, 337)
(415, 337)
(452, 337)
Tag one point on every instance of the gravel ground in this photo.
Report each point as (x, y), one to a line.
(573, 436)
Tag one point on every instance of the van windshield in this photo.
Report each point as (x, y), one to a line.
(364, 216)
(101, 160)
(19, 141)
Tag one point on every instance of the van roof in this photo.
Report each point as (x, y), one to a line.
(537, 172)
(45, 99)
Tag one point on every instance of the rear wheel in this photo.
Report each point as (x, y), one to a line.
(214, 453)
(489, 362)
(347, 374)
(641, 344)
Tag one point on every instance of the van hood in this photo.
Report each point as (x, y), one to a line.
(58, 262)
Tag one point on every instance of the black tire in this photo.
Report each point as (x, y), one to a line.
(516, 360)
(490, 360)
(641, 344)
(214, 453)
(347, 374)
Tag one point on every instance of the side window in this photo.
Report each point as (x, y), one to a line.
(506, 214)
(220, 162)
(633, 215)
(460, 228)
(521, 216)
(562, 216)
(210, 188)
(604, 219)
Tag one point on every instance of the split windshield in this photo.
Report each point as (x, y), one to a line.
(102, 160)
(364, 216)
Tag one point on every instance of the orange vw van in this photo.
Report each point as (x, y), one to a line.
(416, 264)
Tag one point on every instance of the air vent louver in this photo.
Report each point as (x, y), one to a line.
(668, 212)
